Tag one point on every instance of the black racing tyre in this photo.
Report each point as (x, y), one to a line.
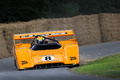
(77, 65)
(73, 66)
(15, 63)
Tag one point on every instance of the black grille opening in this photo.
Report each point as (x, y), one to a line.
(44, 66)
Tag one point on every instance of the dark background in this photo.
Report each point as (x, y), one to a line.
(25, 10)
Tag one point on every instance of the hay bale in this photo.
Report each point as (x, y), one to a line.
(3, 48)
(36, 25)
(49, 24)
(60, 24)
(41, 25)
(87, 29)
(110, 24)
(9, 30)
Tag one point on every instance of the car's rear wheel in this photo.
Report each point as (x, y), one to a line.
(16, 64)
(73, 66)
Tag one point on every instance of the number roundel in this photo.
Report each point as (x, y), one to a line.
(48, 58)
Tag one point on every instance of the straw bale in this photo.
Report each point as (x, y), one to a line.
(110, 24)
(87, 29)
(3, 48)
(9, 30)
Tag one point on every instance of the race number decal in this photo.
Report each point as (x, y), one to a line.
(48, 58)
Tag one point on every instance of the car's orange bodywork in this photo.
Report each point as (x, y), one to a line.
(67, 54)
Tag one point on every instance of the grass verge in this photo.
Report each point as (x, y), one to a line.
(108, 66)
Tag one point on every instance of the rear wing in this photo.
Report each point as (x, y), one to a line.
(48, 34)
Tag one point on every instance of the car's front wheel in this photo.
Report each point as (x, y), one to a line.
(15, 63)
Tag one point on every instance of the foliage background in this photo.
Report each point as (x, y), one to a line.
(25, 10)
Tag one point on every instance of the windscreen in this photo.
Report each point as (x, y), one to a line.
(46, 46)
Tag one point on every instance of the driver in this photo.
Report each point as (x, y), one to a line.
(41, 40)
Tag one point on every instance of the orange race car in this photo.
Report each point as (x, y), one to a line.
(45, 51)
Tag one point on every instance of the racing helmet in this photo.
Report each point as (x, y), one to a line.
(39, 39)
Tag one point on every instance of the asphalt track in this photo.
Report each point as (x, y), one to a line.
(9, 72)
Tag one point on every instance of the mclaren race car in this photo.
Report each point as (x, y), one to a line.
(45, 51)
